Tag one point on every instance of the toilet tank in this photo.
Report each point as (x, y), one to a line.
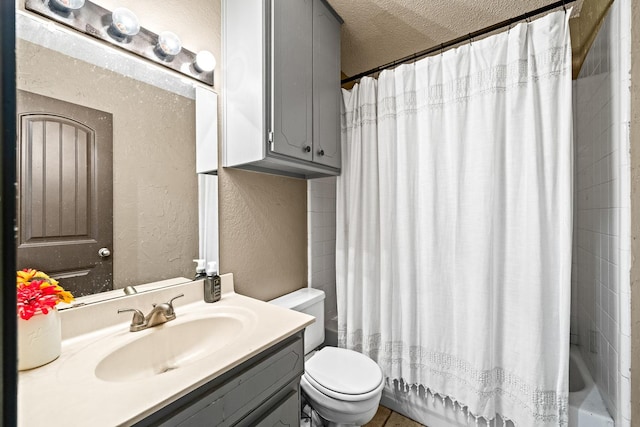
(309, 301)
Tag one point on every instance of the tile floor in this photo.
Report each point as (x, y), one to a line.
(385, 417)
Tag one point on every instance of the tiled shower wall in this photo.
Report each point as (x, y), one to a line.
(321, 229)
(600, 280)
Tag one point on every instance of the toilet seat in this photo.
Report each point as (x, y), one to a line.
(344, 374)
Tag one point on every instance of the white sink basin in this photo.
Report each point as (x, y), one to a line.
(170, 346)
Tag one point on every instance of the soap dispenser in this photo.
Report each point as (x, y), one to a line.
(200, 270)
(212, 284)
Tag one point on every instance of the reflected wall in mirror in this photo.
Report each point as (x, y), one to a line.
(155, 189)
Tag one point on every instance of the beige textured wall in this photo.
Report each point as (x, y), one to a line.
(262, 217)
(635, 213)
(263, 220)
(155, 213)
(263, 232)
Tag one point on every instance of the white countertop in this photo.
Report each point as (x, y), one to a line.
(66, 392)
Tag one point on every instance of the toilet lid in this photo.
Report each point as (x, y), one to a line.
(344, 371)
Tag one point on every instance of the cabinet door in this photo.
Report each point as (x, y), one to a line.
(292, 68)
(285, 414)
(326, 86)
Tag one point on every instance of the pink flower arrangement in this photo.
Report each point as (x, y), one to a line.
(37, 292)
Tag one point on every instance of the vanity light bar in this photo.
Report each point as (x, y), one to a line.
(98, 22)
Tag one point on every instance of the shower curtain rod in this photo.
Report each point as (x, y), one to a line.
(458, 40)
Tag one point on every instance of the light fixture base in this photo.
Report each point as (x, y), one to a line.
(89, 20)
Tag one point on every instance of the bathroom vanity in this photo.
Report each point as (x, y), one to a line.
(260, 392)
(234, 362)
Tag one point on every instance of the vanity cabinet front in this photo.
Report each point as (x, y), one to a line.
(263, 391)
(282, 86)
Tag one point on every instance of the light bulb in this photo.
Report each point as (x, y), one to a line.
(168, 44)
(66, 5)
(205, 61)
(124, 22)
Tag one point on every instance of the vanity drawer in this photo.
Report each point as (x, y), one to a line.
(268, 380)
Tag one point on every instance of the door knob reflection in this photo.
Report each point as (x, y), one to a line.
(104, 252)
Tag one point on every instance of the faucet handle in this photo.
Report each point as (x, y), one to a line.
(173, 299)
(138, 318)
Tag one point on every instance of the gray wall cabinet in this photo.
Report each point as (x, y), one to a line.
(326, 99)
(282, 87)
(263, 391)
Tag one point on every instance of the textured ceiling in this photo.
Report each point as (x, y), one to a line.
(376, 32)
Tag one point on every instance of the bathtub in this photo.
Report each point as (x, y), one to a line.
(586, 408)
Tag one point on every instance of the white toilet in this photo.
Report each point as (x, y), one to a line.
(343, 386)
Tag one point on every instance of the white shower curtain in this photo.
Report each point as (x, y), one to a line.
(454, 224)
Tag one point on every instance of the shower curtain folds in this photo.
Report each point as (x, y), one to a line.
(454, 223)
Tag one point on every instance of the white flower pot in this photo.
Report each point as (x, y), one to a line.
(39, 340)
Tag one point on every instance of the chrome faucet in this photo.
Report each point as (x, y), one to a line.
(161, 313)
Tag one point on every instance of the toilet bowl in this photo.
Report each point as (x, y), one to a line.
(344, 387)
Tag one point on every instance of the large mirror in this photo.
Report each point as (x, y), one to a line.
(154, 186)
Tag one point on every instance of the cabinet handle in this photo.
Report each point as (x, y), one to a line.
(307, 149)
(321, 152)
